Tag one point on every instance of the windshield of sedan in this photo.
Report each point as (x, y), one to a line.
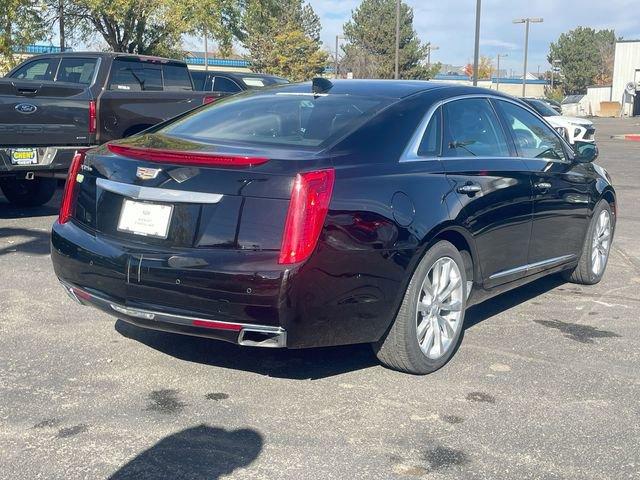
(542, 108)
(278, 118)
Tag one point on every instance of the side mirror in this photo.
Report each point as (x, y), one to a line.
(586, 152)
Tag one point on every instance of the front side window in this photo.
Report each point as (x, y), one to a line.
(77, 70)
(133, 75)
(471, 129)
(43, 69)
(533, 137)
(286, 119)
(222, 84)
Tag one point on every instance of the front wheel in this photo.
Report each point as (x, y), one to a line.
(428, 326)
(595, 251)
(28, 193)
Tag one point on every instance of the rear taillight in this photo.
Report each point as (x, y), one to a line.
(67, 207)
(208, 99)
(189, 158)
(93, 119)
(308, 209)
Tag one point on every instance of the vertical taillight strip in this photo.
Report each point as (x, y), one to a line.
(308, 207)
(93, 119)
(67, 207)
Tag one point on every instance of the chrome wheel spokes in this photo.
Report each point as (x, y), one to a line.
(601, 243)
(439, 309)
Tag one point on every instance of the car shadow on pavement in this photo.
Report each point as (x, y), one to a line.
(27, 241)
(304, 364)
(510, 299)
(9, 211)
(195, 453)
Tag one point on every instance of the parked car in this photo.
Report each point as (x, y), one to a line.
(550, 103)
(325, 213)
(222, 83)
(572, 128)
(53, 104)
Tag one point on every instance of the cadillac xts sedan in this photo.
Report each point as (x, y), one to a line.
(328, 213)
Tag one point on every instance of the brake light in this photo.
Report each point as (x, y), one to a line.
(208, 99)
(308, 209)
(190, 158)
(93, 119)
(67, 207)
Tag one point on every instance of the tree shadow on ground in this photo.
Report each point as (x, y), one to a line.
(200, 452)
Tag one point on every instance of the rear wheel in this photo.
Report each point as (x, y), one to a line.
(428, 327)
(595, 251)
(28, 193)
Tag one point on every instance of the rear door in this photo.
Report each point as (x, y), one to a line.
(561, 188)
(492, 185)
(45, 102)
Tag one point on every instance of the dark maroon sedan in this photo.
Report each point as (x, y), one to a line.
(327, 213)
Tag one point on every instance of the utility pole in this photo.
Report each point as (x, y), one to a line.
(337, 66)
(206, 52)
(476, 51)
(397, 65)
(498, 75)
(430, 48)
(526, 21)
(61, 24)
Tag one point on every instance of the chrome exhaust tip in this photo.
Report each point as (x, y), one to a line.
(263, 337)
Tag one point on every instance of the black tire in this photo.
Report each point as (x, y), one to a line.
(399, 348)
(583, 273)
(28, 193)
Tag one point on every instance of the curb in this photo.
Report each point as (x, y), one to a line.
(633, 137)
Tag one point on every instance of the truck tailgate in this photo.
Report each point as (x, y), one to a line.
(42, 113)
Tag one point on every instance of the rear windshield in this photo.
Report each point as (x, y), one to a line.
(278, 118)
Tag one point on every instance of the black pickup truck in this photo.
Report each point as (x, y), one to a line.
(52, 105)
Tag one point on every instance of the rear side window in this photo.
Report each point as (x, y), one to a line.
(43, 69)
(132, 75)
(77, 70)
(198, 80)
(176, 77)
(287, 119)
(533, 137)
(223, 84)
(430, 144)
(472, 129)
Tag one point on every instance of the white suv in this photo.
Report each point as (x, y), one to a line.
(572, 128)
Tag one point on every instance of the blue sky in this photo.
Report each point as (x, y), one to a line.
(450, 25)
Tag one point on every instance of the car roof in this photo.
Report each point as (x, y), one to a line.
(393, 88)
(108, 55)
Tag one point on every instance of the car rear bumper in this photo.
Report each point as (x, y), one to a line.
(240, 333)
(50, 159)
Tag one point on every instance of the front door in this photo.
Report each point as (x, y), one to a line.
(492, 185)
(561, 189)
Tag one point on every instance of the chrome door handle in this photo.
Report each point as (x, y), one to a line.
(469, 188)
(542, 185)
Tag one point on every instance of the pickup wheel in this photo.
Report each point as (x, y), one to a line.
(28, 193)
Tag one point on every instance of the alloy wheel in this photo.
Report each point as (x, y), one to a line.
(601, 243)
(440, 308)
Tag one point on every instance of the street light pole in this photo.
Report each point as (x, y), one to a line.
(338, 37)
(61, 24)
(397, 63)
(430, 48)
(526, 21)
(498, 75)
(476, 51)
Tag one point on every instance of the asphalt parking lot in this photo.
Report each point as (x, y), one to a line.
(545, 385)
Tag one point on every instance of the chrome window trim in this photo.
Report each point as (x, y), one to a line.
(138, 192)
(410, 153)
(544, 263)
